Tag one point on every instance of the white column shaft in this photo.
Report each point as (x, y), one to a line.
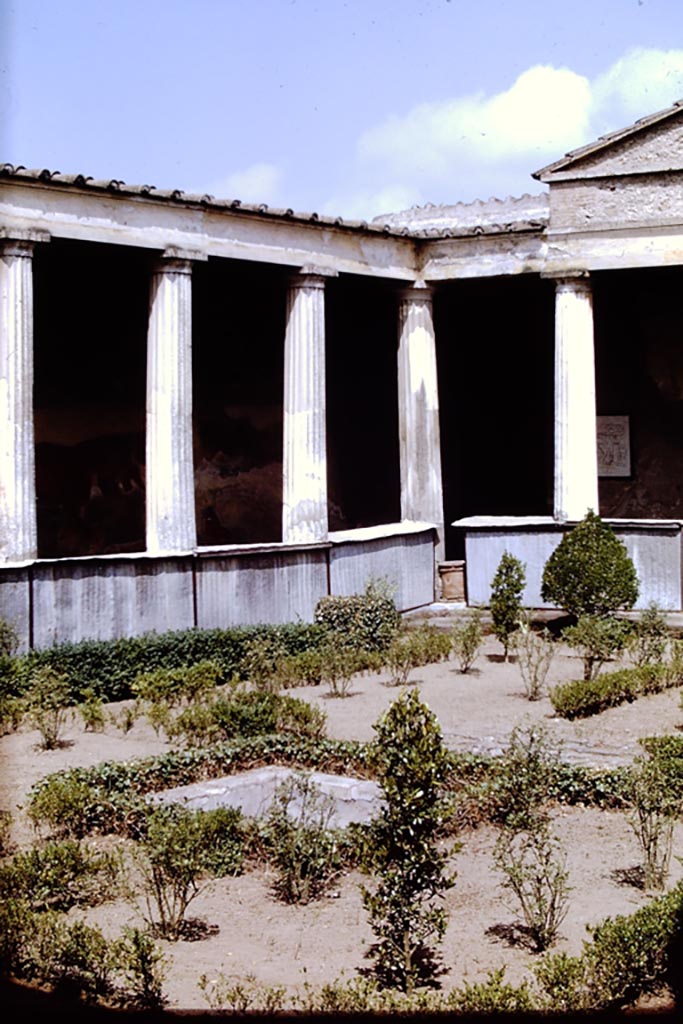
(18, 532)
(169, 473)
(304, 471)
(576, 460)
(418, 407)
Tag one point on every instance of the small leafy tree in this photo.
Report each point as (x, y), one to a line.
(411, 762)
(655, 808)
(650, 638)
(300, 838)
(534, 871)
(506, 598)
(597, 638)
(47, 702)
(590, 571)
(467, 639)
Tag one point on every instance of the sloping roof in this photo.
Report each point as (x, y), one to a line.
(453, 221)
(607, 141)
(490, 216)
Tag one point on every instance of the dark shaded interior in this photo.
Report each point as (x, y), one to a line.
(238, 314)
(90, 356)
(639, 374)
(361, 316)
(495, 353)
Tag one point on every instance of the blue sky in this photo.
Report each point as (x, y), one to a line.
(351, 107)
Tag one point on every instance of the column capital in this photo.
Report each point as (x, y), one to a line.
(311, 275)
(570, 280)
(418, 291)
(21, 243)
(175, 260)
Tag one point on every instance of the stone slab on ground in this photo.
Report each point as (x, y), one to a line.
(354, 800)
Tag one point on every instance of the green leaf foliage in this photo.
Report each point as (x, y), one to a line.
(366, 621)
(506, 598)
(411, 765)
(590, 571)
(583, 697)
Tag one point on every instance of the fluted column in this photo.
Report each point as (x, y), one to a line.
(169, 472)
(418, 410)
(576, 459)
(18, 531)
(304, 469)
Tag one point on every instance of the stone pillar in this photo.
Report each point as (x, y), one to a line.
(576, 458)
(418, 412)
(304, 469)
(18, 530)
(169, 472)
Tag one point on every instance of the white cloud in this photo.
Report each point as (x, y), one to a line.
(363, 204)
(475, 146)
(261, 182)
(639, 83)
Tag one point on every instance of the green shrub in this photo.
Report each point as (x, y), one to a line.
(173, 686)
(655, 807)
(628, 955)
(493, 996)
(9, 642)
(597, 639)
(411, 764)
(534, 871)
(422, 646)
(466, 639)
(650, 636)
(143, 967)
(626, 958)
(590, 571)
(177, 850)
(47, 703)
(59, 875)
(91, 711)
(535, 651)
(12, 711)
(110, 667)
(300, 840)
(366, 621)
(581, 698)
(74, 959)
(506, 598)
(107, 797)
(519, 793)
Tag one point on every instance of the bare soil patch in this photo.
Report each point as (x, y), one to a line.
(280, 944)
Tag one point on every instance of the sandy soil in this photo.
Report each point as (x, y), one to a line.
(280, 944)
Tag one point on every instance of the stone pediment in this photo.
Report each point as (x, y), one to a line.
(653, 145)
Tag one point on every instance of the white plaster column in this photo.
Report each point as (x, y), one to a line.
(169, 471)
(304, 468)
(576, 458)
(18, 531)
(418, 411)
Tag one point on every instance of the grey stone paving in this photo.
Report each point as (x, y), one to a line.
(572, 751)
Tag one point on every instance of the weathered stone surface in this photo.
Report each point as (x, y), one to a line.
(354, 800)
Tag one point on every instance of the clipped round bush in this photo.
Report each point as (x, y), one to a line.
(590, 571)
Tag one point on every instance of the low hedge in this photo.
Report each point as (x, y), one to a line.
(104, 798)
(108, 668)
(77, 801)
(583, 697)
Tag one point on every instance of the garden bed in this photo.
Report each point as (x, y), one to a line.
(314, 944)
